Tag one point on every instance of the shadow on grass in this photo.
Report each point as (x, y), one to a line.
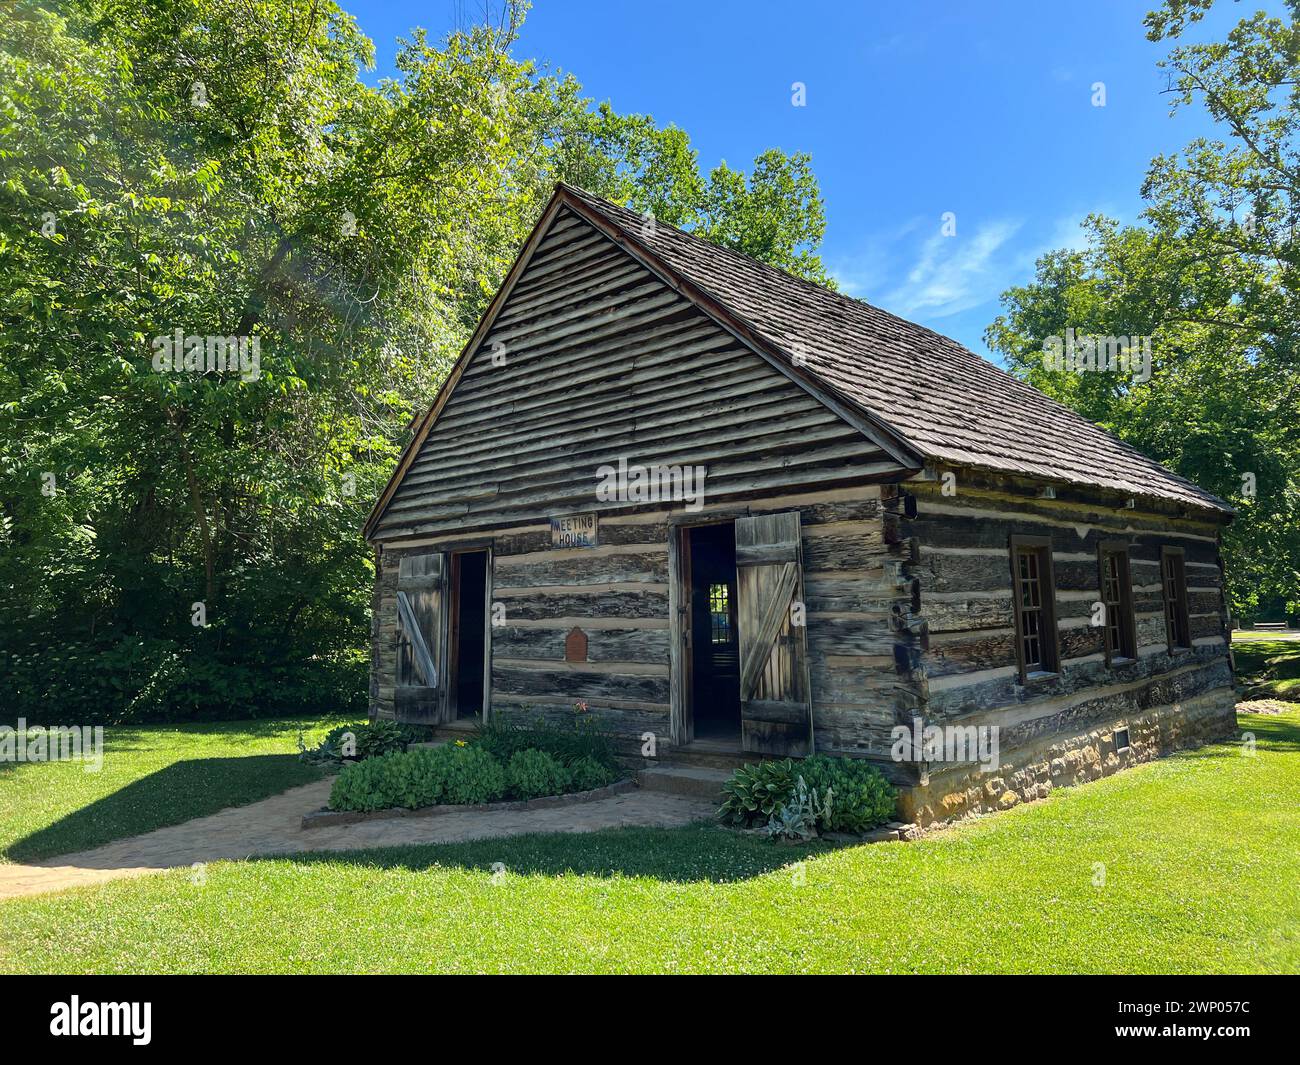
(1278, 732)
(176, 793)
(699, 852)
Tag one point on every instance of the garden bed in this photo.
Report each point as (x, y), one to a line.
(324, 816)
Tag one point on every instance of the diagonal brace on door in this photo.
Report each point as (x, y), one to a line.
(419, 649)
(769, 627)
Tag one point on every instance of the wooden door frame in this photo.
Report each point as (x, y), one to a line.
(452, 712)
(681, 657)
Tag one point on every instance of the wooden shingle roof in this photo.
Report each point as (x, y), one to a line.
(941, 399)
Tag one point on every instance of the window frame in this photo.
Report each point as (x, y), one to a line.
(1127, 614)
(1042, 545)
(1168, 554)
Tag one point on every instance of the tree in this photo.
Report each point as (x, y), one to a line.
(1210, 274)
(179, 536)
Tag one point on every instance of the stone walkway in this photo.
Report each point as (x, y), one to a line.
(273, 826)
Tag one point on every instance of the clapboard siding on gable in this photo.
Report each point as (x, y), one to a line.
(598, 360)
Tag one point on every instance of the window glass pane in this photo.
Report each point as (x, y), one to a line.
(719, 613)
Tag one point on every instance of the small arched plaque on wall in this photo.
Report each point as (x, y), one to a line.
(575, 645)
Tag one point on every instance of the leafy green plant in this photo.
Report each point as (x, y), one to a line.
(756, 791)
(425, 776)
(534, 773)
(364, 740)
(844, 794)
(861, 797)
(589, 773)
(798, 819)
(568, 743)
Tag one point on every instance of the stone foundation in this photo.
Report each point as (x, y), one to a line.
(1031, 771)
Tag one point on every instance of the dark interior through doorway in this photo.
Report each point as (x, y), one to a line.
(469, 588)
(715, 645)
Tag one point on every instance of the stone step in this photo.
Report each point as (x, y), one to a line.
(707, 759)
(702, 782)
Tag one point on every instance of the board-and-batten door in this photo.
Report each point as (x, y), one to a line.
(422, 637)
(775, 707)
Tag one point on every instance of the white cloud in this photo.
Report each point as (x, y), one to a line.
(945, 276)
(954, 274)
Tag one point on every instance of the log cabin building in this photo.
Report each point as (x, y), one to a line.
(731, 510)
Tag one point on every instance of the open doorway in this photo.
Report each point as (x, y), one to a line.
(468, 631)
(715, 643)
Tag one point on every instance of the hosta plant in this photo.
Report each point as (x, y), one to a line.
(756, 791)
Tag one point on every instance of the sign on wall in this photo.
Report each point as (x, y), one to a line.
(574, 530)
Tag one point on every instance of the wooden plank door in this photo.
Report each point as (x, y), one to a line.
(775, 703)
(422, 601)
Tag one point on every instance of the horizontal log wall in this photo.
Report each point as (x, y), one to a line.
(966, 619)
(854, 586)
(617, 594)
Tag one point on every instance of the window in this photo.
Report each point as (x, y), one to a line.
(1173, 579)
(719, 613)
(1121, 739)
(1033, 598)
(1117, 595)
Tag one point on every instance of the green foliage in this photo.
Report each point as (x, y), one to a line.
(458, 774)
(363, 740)
(568, 742)
(757, 791)
(797, 818)
(258, 187)
(589, 774)
(425, 776)
(1268, 668)
(534, 773)
(1211, 275)
(860, 798)
(825, 793)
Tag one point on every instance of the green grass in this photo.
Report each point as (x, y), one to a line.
(1200, 854)
(152, 776)
(1267, 668)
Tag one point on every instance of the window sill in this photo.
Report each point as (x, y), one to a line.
(1039, 677)
(1121, 660)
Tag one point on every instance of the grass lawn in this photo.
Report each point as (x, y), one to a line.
(1267, 667)
(1189, 864)
(152, 776)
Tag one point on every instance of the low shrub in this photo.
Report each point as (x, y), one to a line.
(757, 791)
(822, 793)
(534, 773)
(368, 740)
(797, 819)
(425, 776)
(567, 743)
(861, 798)
(589, 774)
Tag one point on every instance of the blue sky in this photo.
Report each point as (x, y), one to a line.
(983, 109)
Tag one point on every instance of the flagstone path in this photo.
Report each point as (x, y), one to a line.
(273, 826)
